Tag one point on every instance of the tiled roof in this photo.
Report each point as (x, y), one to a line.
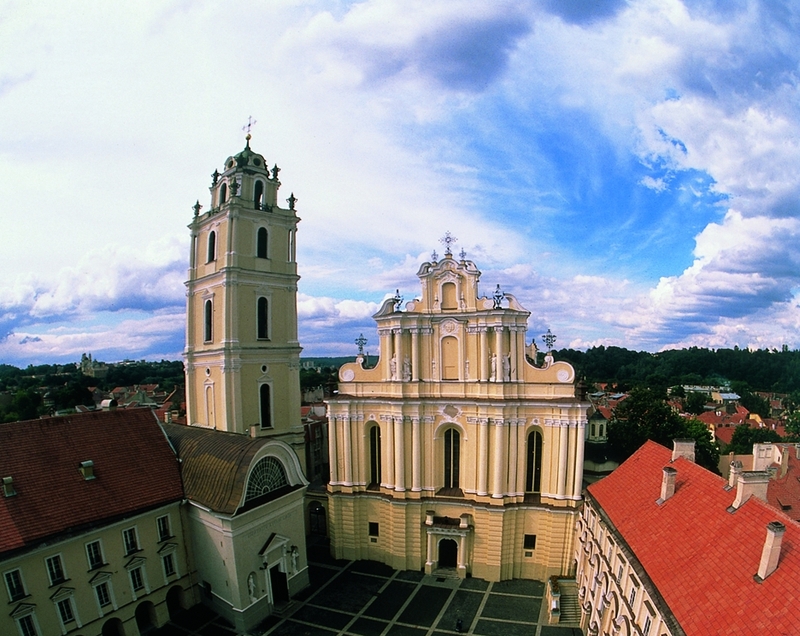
(134, 466)
(214, 464)
(783, 492)
(702, 558)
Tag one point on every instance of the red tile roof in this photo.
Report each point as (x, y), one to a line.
(702, 558)
(134, 465)
(783, 492)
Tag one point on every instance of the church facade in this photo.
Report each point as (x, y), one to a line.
(456, 454)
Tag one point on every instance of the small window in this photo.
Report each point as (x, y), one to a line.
(373, 529)
(648, 623)
(130, 540)
(16, 590)
(265, 398)
(26, 626)
(261, 242)
(169, 565)
(592, 433)
(529, 542)
(632, 596)
(137, 582)
(55, 570)
(212, 246)
(162, 523)
(619, 573)
(208, 315)
(263, 318)
(103, 597)
(65, 611)
(94, 554)
(258, 194)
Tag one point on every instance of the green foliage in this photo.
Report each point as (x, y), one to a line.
(645, 415)
(695, 403)
(744, 437)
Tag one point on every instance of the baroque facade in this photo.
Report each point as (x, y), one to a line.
(455, 453)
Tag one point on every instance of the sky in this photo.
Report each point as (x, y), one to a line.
(627, 169)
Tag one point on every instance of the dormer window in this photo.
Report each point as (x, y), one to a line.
(87, 470)
(8, 487)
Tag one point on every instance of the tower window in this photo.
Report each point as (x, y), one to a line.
(208, 315)
(212, 246)
(291, 246)
(265, 402)
(261, 243)
(452, 457)
(263, 318)
(223, 193)
(375, 456)
(258, 195)
(533, 465)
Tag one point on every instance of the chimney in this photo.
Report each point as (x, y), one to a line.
(87, 470)
(8, 487)
(667, 484)
(683, 448)
(752, 483)
(771, 553)
(736, 470)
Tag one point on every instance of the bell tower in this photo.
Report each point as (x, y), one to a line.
(242, 353)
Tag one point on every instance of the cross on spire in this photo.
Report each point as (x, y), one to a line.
(361, 341)
(447, 240)
(549, 339)
(249, 125)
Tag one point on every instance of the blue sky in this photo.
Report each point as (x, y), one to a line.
(628, 170)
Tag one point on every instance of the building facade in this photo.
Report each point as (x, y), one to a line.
(455, 453)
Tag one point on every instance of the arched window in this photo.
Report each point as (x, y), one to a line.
(261, 243)
(533, 464)
(223, 193)
(267, 475)
(375, 456)
(263, 319)
(212, 246)
(258, 195)
(449, 300)
(208, 321)
(452, 457)
(265, 402)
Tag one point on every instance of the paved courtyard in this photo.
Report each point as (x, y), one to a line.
(365, 598)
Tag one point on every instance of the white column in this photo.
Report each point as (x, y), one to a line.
(483, 455)
(580, 429)
(562, 458)
(416, 455)
(346, 441)
(498, 350)
(415, 355)
(462, 550)
(399, 454)
(513, 435)
(388, 458)
(429, 561)
(514, 356)
(483, 356)
(499, 454)
(333, 457)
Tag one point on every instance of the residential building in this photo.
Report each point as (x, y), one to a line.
(455, 454)
(665, 548)
(91, 526)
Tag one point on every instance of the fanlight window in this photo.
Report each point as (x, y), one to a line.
(267, 475)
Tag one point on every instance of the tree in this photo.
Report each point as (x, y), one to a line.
(744, 437)
(706, 451)
(695, 403)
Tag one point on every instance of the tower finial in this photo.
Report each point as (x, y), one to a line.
(447, 240)
(250, 123)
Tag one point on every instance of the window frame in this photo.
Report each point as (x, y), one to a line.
(265, 409)
(101, 562)
(66, 604)
(28, 618)
(164, 533)
(169, 557)
(136, 573)
(13, 598)
(262, 231)
(452, 458)
(211, 247)
(208, 320)
(125, 542)
(56, 573)
(262, 318)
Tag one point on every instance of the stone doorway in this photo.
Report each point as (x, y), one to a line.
(448, 553)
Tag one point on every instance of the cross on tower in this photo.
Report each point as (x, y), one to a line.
(549, 339)
(250, 123)
(447, 240)
(361, 341)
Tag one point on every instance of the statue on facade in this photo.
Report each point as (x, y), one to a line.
(393, 367)
(406, 369)
(498, 297)
(507, 368)
(251, 587)
(493, 374)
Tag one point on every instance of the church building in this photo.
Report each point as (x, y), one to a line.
(456, 454)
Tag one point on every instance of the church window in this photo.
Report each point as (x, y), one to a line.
(267, 475)
(261, 243)
(223, 193)
(291, 246)
(375, 456)
(449, 300)
(533, 467)
(258, 195)
(592, 433)
(208, 315)
(452, 457)
(265, 403)
(263, 318)
(449, 358)
(212, 246)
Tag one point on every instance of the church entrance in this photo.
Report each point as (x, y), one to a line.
(279, 584)
(317, 519)
(448, 553)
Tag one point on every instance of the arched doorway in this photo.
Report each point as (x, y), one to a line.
(175, 601)
(145, 617)
(318, 523)
(113, 627)
(448, 553)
